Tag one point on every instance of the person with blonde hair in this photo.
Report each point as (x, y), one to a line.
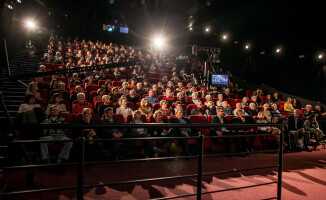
(145, 108)
(123, 109)
(33, 90)
(164, 108)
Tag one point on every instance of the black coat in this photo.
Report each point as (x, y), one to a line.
(291, 123)
(215, 120)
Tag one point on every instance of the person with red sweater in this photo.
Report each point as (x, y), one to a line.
(78, 107)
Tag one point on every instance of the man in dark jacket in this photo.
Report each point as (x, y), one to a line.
(107, 133)
(219, 131)
(183, 132)
(295, 126)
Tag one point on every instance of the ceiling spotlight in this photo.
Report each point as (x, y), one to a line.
(30, 24)
(247, 46)
(207, 29)
(225, 37)
(158, 42)
(320, 56)
(9, 6)
(19, 1)
(190, 28)
(262, 53)
(278, 50)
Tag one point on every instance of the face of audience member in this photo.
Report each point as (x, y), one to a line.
(252, 106)
(239, 114)
(225, 104)
(318, 108)
(266, 107)
(31, 101)
(139, 86)
(227, 91)
(238, 106)
(289, 100)
(268, 96)
(132, 93)
(124, 102)
(62, 87)
(274, 106)
(164, 105)
(78, 90)
(220, 97)
(115, 91)
(209, 98)
(109, 114)
(81, 99)
(313, 119)
(54, 112)
(180, 97)
(195, 96)
(276, 95)
(57, 99)
(220, 113)
(138, 116)
(87, 115)
(200, 105)
(150, 93)
(308, 108)
(297, 113)
(106, 100)
(159, 116)
(179, 114)
(261, 115)
(125, 86)
(254, 99)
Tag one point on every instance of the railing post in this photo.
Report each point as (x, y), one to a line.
(280, 166)
(81, 162)
(200, 166)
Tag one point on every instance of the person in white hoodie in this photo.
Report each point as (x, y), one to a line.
(123, 109)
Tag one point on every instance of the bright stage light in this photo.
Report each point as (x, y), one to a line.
(320, 56)
(190, 28)
(30, 24)
(158, 42)
(207, 29)
(225, 37)
(278, 50)
(247, 46)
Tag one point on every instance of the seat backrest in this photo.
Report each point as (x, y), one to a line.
(120, 117)
(42, 102)
(249, 93)
(68, 117)
(198, 119)
(229, 118)
(151, 118)
(281, 104)
(129, 118)
(116, 83)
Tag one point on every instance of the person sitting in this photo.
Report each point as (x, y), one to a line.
(164, 108)
(63, 92)
(238, 107)
(266, 129)
(321, 117)
(181, 98)
(208, 98)
(158, 131)
(245, 102)
(183, 132)
(107, 133)
(214, 93)
(276, 114)
(296, 128)
(198, 110)
(252, 110)
(114, 97)
(227, 109)
(145, 108)
(178, 105)
(54, 134)
(258, 93)
(178, 88)
(150, 148)
(106, 103)
(123, 109)
(288, 107)
(311, 125)
(132, 97)
(54, 84)
(269, 99)
(296, 105)
(33, 90)
(99, 95)
(202, 93)
(75, 79)
(220, 131)
(309, 111)
(220, 100)
(108, 87)
(254, 100)
(78, 90)
(195, 98)
(151, 98)
(276, 99)
(210, 110)
(28, 104)
(56, 98)
(81, 105)
(267, 113)
(241, 143)
(140, 90)
(226, 94)
(124, 90)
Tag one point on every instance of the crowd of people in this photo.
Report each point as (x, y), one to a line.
(155, 91)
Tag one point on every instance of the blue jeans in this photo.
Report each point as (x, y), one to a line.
(64, 153)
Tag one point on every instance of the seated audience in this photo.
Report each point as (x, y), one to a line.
(78, 89)
(165, 108)
(151, 98)
(252, 110)
(132, 97)
(107, 103)
(123, 109)
(145, 108)
(198, 110)
(99, 95)
(81, 105)
(28, 104)
(208, 98)
(267, 113)
(54, 134)
(56, 98)
(33, 90)
(114, 97)
(238, 107)
(210, 110)
(220, 131)
(220, 100)
(245, 102)
(269, 99)
(288, 107)
(195, 98)
(301, 138)
(227, 109)
(124, 90)
(311, 125)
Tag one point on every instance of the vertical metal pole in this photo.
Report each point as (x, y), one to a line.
(280, 166)
(200, 166)
(8, 66)
(81, 162)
